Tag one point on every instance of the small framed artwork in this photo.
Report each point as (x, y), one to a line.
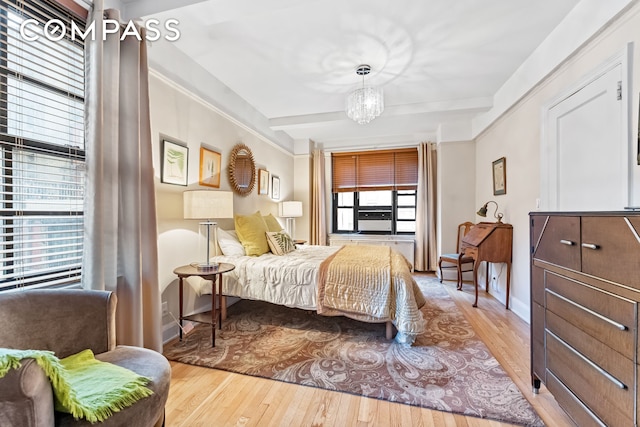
(275, 187)
(500, 176)
(174, 162)
(210, 163)
(263, 182)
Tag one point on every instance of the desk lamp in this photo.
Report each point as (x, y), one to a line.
(483, 211)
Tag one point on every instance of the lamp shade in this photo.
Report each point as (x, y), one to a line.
(290, 209)
(206, 204)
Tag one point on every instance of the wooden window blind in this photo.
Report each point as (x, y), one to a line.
(406, 170)
(375, 170)
(42, 152)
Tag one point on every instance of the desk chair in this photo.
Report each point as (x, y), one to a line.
(457, 259)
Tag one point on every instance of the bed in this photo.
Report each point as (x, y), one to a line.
(313, 278)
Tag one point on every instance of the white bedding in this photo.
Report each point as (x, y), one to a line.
(288, 280)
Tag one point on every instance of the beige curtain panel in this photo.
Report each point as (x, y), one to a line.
(426, 244)
(318, 201)
(120, 242)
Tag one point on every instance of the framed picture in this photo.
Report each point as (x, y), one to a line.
(275, 187)
(174, 162)
(263, 182)
(210, 163)
(500, 176)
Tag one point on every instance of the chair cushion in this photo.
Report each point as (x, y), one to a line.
(145, 412)
(454, 258)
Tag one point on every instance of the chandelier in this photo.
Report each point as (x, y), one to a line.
(366, 103)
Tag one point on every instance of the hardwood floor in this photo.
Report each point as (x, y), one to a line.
(209, 397)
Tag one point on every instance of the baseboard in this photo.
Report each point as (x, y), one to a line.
(169, 332)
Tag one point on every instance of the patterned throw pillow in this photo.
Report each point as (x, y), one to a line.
(280, 242)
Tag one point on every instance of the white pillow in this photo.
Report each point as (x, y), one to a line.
(229, 243)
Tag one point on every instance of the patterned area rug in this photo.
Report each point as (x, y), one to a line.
(447, 369)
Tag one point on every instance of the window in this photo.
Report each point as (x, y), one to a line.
(375, 191)
(41, 150)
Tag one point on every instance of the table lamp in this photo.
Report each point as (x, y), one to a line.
(207, 205)
(290, 210)
(483, 211)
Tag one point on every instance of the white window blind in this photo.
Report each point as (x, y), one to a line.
(41, 149)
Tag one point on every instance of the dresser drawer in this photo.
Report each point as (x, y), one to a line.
(610, 247)
(608, 318)
(579, 413)
(590, 383)
(560, 242)
(617, 365)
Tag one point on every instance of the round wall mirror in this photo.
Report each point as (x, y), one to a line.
(242, 170)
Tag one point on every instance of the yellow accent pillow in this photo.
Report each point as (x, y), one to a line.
(272, 223)
(251, 231)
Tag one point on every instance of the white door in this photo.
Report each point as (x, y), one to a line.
(585, 154)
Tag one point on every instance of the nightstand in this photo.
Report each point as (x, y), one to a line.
(300, 242)
(207, 317)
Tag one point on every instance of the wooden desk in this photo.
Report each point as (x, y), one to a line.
(490, 242)
(208, 317)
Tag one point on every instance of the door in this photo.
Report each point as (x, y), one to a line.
(585, 153)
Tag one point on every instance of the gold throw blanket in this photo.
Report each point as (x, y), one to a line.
(372, 284)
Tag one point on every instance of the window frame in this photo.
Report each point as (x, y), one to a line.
(12, 146)
(357, 209)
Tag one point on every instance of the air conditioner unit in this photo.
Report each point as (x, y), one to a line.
(375, 220)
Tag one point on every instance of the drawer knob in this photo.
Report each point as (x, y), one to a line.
(567, 242)
(590, 246)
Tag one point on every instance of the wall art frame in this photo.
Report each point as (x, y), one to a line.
(275, 187)
(174, 162)
(210, 168)
(263, 182)
(500, 176)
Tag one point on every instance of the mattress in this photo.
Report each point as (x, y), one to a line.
(288, 280)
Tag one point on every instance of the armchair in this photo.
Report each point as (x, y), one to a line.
(67, 322)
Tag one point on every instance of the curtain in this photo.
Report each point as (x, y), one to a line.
(120, 237)
(426, 244)
(318, 201)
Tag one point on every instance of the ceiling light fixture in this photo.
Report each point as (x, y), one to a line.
(366, 103)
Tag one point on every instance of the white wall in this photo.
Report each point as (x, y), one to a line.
(302, 170)
(456, 190)
(516, 136)
(182, 116)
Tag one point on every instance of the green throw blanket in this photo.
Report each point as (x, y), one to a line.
(83, 386)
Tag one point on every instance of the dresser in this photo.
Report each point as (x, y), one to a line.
(585, 290)
(405, 244)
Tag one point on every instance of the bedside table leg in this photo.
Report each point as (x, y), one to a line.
(214, 317)
(223, 308)
(180, 302)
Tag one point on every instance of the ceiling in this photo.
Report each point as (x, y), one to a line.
(438, 61)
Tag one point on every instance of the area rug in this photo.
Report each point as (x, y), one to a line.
(448, 368)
